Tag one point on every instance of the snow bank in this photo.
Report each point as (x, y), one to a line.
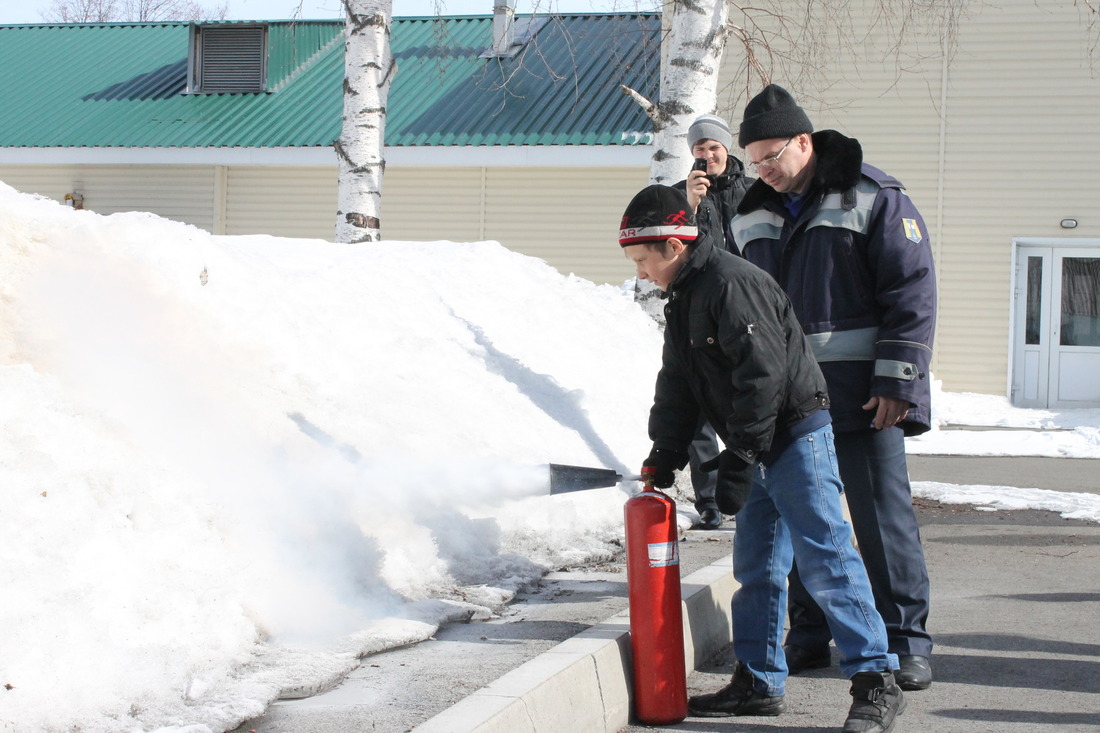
(232, 465)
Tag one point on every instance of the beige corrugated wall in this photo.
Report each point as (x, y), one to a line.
(566, 216)
(1022, 153)
(181, 193)
(1004, 142)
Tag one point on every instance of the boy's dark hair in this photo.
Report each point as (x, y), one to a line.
(660, 246)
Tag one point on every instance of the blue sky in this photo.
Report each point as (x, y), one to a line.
(32, 10)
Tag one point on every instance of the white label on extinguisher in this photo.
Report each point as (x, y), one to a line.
(663, 553)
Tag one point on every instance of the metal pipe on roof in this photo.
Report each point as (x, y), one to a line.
(504, 26)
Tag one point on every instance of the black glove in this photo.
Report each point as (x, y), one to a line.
(734, 480)
(666, 462)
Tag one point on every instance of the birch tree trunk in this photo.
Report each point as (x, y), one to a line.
(368, 70)
(692, 53)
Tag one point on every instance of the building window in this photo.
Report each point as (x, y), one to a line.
(228, 59)
(1080, 301)
(1034, 317)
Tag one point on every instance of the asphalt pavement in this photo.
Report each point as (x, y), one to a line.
(1052, 474)
(1016, 623)
(1015, 618)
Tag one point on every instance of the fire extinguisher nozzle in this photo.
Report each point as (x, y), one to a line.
(565, 479)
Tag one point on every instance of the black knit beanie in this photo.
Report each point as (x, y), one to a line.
(655, 214)
(772, 113)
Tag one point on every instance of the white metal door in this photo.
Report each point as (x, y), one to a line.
(1057, 327)
(1075, 342)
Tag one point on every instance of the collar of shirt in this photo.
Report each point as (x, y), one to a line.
(792, 202)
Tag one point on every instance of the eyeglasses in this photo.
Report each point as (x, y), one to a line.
(772, 160)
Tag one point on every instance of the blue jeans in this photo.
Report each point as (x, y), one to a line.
(793, 511)
(876, 484)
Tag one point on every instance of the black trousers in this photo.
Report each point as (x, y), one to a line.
(703, 448)
(876, 485)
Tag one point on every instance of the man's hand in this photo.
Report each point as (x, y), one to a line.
(888, 411)
(696, 188)
(667, 462)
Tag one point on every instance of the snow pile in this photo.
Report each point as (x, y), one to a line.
(231, 465)
(1068, 504)
(996, 428)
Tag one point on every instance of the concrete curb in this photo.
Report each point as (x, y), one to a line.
(583, 684)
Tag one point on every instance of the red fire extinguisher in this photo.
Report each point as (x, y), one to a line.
(656, 618)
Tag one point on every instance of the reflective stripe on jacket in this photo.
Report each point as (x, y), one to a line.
(857, 265)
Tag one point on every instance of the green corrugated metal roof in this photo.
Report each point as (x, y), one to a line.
(121, 85)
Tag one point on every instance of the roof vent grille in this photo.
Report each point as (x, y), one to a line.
(228, 59)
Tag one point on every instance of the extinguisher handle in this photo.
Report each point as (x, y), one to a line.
(648, 473)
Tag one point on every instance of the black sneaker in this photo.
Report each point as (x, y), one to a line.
(736, 698)
(799, 658)
(876, 703)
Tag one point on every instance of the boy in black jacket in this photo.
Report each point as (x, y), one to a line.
(735, 354)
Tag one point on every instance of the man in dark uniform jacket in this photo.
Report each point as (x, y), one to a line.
(851, 251)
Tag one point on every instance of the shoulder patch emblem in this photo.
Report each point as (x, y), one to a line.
(912, 230)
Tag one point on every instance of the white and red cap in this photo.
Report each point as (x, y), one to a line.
(655, 214)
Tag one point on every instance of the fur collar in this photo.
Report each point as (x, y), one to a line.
(839, 166)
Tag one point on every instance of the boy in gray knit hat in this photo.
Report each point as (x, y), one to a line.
(714, 194)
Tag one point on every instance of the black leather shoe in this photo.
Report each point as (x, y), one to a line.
(877, 701)
(711, 518)
(915, 672)
(736, 698)
(800, 659)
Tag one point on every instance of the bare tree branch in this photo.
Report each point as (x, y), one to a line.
(647, 106)
(1090, 11)
(796, 46)
(81, 11)
(107, 11)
